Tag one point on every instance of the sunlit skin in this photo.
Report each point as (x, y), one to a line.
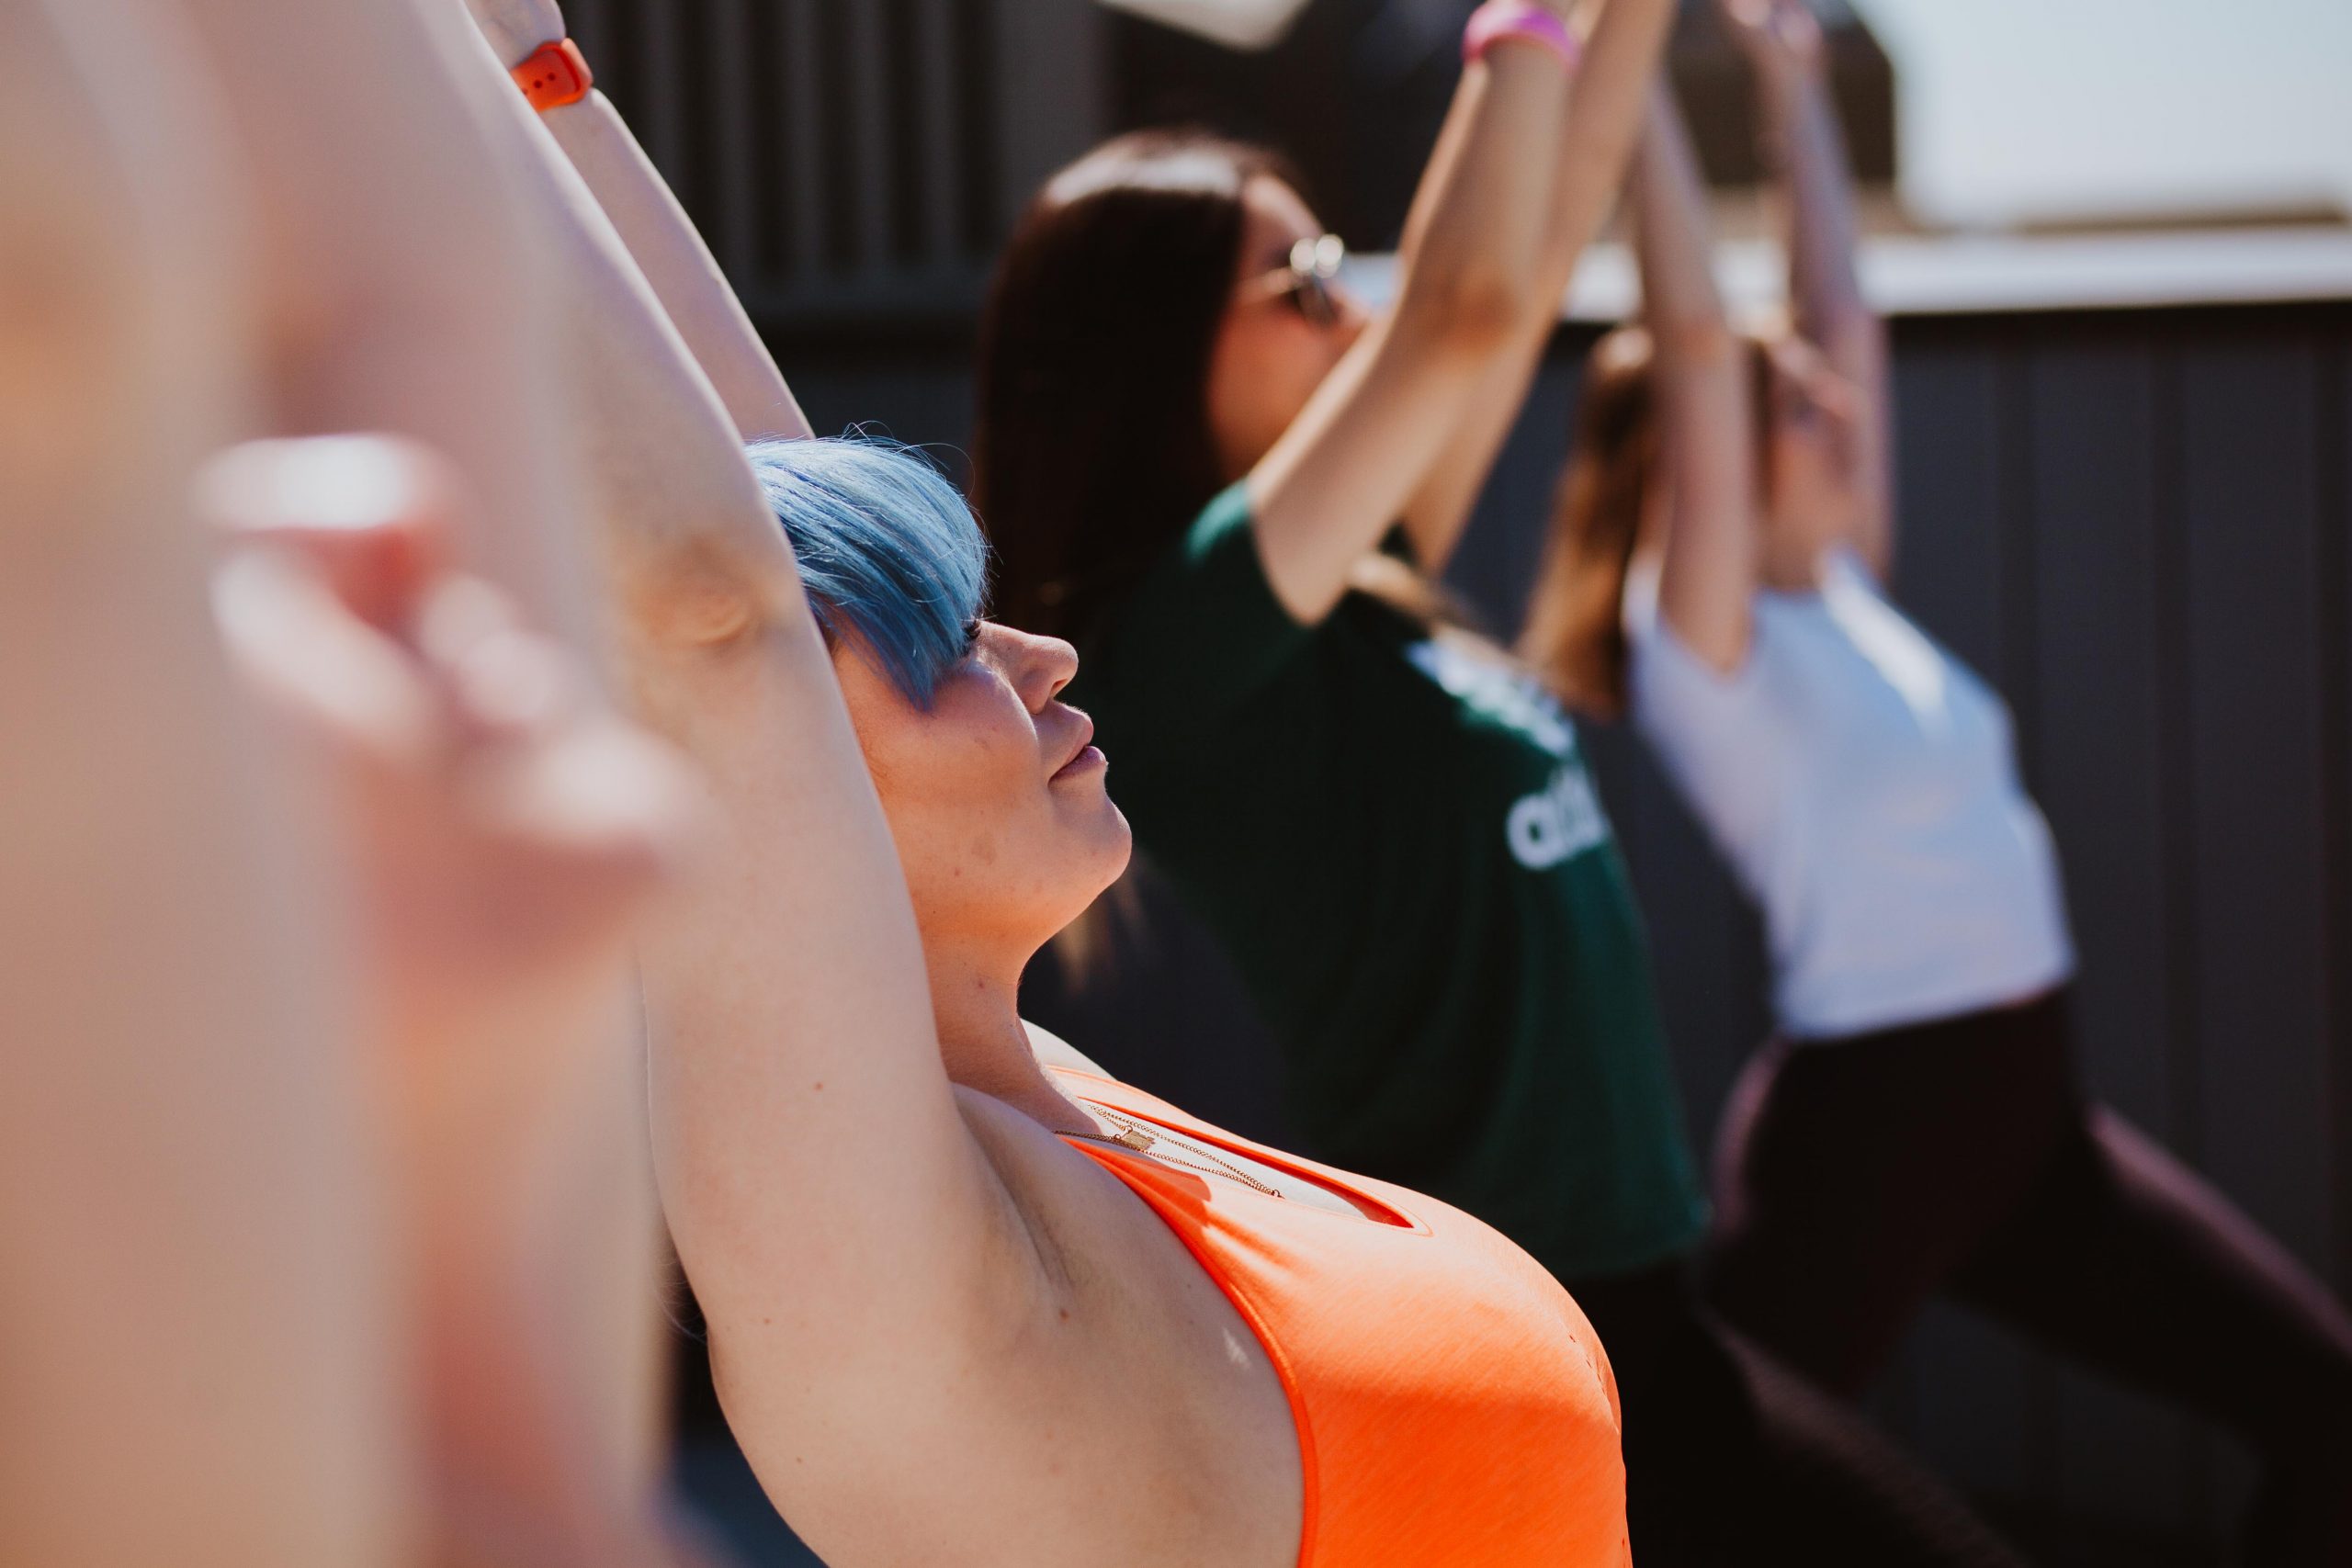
(501, 829)
(1269, 358)
(995, 798)
(995, 795)
(497, 831)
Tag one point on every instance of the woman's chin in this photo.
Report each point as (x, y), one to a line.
(1115, 844)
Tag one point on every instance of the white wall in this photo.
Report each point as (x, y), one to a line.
(2018, 110)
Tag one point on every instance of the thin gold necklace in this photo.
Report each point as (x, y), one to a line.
(1134, 1136)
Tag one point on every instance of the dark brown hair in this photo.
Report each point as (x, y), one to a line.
(1092, 449)
(1575, 629)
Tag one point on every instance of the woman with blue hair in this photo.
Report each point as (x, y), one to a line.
(970, 1299)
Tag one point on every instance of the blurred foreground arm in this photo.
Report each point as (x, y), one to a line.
(407, 291)
(193, 1326)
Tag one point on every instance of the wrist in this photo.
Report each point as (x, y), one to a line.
(1522, 21)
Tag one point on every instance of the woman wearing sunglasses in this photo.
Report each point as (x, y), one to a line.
(1918, 1127)
(1202, 460)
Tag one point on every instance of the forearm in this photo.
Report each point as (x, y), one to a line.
(403, 292)
(1378, 442)
(669, 251)
(678, 266)
(1598, 134)
(1682, 302)
(189, 1234)
(1706, 436)
(788, 1014)
(691, 553)
(1475, 240)
(1803, 139)
(1831, 313)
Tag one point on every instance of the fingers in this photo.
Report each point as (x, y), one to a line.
(501, 827)
(370, 513)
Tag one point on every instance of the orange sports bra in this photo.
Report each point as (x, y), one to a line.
(1454, 1409)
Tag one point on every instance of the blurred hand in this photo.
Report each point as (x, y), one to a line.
(515, 28)
(498, 832)
(1775, 32)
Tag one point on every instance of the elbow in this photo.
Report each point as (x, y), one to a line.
(1472, 309)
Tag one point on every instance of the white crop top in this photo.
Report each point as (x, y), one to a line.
(1863, 785)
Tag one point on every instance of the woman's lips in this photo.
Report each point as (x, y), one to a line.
(1089, 756)
(1083, 755)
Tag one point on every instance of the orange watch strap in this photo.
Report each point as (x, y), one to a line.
(556, 74)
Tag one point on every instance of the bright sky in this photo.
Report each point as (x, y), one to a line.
(2019, 110)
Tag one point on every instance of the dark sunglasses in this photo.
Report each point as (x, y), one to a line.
(1305, 282)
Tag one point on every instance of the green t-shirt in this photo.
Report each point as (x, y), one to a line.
(1396, 836)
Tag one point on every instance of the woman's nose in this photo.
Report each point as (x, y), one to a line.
(1047, 664)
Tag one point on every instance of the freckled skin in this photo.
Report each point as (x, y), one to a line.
(996, 849)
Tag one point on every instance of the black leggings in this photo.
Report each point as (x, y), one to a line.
(1733, 1461)
(1859, 1176)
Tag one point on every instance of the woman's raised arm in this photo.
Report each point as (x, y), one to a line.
(848, 1240)
(1480, 259)
(1603, 120)
(1801, 139)
(660, 238)
(401, 292)
(1707, 432)
(196, 1359)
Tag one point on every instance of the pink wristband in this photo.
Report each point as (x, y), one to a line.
(1499, 19)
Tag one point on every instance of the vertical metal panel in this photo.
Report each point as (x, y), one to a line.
(798, 70)
(661, 85)
(862, 145)
(591, 23)
(731, 218)
(2095, 558)
(1050, 71)
(2091, 407)
(1946, 556)
(2335, 562)
(979, 130)
(2248, 462)
(936, 116)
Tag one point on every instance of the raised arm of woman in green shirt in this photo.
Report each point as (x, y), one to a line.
(1525, 170)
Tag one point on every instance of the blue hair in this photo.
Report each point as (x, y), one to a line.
(888, 551)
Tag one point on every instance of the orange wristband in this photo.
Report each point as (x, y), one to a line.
(556, 74)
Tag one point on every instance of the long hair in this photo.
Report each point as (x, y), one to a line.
(1092, 449)
(1575, 637)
